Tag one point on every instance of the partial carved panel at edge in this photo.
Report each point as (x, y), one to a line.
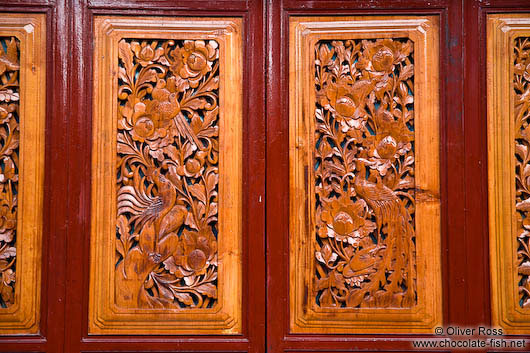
(175, 222)
(22, 100)
(365, 203)
(508, 39)
(9, 153)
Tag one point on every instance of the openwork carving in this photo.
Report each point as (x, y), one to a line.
(364, 174)
(521, 86)
(167, 174)
(9, 142)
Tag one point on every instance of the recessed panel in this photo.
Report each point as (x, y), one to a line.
(22, 109)
(166, 220)
(365, 203)
(509, 166)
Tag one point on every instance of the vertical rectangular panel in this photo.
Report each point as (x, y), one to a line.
(166, 225)
(365, 203)
(508, 62)
(22, 113)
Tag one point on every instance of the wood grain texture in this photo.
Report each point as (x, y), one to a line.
(368, 113)
(22, 112)
(508, 37)
(167, 272)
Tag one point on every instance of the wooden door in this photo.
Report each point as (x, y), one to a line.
(153, 231)
(379, 255)
(262, 176)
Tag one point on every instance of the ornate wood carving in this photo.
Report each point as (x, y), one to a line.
(365, 209)
(364, 174)
(166, 248)
(521, 87)
(9, 151)
(508, 169)
(168, 152)
(22, 73)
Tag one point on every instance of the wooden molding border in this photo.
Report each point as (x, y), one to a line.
(105, 315)
(426, 311)
(507, 232)
(23, 316)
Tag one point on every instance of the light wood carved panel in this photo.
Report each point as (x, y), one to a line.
(365, 203)
(508, 67)
(22, 114)
(166, 226)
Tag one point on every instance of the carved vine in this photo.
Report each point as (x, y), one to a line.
(9, 140)
(167, 174)
(522, 164)
(364, 174)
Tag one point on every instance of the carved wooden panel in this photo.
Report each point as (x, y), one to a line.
(22, 99)
(365, 207)
(508, 169)
(166, 236)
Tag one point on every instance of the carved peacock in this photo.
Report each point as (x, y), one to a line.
(161, 210)
(396, 266)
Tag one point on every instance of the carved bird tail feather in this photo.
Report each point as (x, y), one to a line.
(185, 130)
(138, 204)
(390, 211)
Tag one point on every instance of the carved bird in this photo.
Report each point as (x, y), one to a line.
(390, 211)
(169, 108)
(160, 210)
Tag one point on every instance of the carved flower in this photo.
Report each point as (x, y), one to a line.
(346, 221)
(381, 56)
(393, 139)
(196, 251)
(147, 53)
(151, 120)
(348, 102)
(194, 60)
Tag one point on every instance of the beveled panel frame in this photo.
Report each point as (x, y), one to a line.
(502, 31)
(30, 30)
(305, 32)
(104, 316)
